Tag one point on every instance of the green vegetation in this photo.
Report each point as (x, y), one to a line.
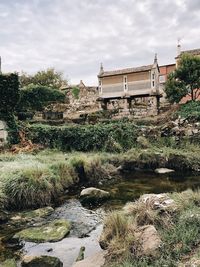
(9, 90)
(48, 78)
(178, 227)
(37, 97)
(109, 137)
(75, 92)
(190, 111)
(56, 230)
(184, 80)
(31, 181)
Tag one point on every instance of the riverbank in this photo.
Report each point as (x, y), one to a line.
(156, 230)
(50, 174)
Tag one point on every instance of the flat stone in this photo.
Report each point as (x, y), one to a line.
(41, 261)
(51, 232)
(97, 260)
(93, 194)
(9, 263)
(163, 170)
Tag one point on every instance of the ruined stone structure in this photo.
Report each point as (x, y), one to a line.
(130, 85)
(3, 133)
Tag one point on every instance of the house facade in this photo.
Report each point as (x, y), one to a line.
(129, 83)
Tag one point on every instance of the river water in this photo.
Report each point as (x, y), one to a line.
(87, 221)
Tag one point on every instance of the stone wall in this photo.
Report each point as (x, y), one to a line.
(85, 102)
(3, 133)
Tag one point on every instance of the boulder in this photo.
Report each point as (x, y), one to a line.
(158, 201)
(93, 194)
(52, 232)
(163, 170)
(33, 215)
(96, 260)
(41, 261)
(148, 241)
(9, 263)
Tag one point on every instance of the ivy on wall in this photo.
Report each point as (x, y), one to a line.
(9, 92)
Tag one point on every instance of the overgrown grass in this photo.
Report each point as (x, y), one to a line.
(190, 110)
(179, 232)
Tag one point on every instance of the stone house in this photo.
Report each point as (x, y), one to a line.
(129, 84)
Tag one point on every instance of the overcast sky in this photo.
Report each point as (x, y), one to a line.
(74, 36)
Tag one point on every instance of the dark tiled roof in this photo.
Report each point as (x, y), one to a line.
(125, 71)
(193, 52)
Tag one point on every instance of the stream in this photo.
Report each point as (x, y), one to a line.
(87, 221)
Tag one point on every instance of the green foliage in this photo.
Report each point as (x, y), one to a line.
(190, 110)
(75, 92)
(49, 78)
(184, 80)
(31, 187)
(84, 137)
(9, 90)
(36, 97)
(175, 90)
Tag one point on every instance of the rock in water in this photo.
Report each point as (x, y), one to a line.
(163, 170)
(51, 232)
(93, 194)
(41, 261)
(81, 254)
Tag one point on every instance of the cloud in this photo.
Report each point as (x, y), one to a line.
(75, 36)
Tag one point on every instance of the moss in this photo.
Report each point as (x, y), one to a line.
(9, 263)
(51, 232)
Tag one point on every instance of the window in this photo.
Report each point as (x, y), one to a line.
(125, 85)
(153, 79)
(162, 78)
(100, 86)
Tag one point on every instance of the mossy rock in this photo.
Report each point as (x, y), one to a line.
(41, 261)
(9, 263)
(51, 232)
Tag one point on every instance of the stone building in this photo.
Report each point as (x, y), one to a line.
(129, 84)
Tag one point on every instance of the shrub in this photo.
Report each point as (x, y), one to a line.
(31, 187)
(84, 137)
(190, 110)
(67, 175)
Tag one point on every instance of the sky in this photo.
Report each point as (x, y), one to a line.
(75, 36)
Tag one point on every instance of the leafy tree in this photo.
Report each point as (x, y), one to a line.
(49, 78)
(185, 80)
(36, 97)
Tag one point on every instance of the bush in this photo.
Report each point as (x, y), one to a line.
(190, 110)
(85, 137)
(31, 188)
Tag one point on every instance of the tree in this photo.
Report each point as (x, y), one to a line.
(37, 97)
(185, 80)
(49, 78)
